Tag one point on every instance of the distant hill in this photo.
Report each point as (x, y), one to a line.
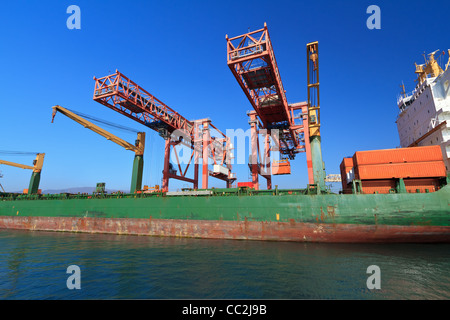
(78, 190)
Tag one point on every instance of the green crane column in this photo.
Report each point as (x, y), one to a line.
(317, 162)
(136, 178)
(34, 182)
(312, 63)
(401, 188)
(36, 175)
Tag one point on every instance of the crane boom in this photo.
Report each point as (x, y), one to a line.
(138, 149)
(35, 176)
(37, 164)
(17, 165)
(121, 94)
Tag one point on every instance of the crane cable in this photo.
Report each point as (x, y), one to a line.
(18, 153)
(107, 123)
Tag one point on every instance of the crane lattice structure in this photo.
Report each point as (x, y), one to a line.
(122, 95)
(251, 59)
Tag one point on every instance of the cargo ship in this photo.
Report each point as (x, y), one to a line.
(424, 113)
(388, 196)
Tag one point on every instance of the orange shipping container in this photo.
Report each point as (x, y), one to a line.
(400, 170)
(421, 185)
(430, 184)
(346, 166)
(377, 186)
(400, 155)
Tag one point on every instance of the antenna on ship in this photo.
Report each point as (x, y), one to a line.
(403, 89)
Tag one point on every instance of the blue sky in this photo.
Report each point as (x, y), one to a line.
(176, 50)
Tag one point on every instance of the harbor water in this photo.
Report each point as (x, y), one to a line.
(36, 265)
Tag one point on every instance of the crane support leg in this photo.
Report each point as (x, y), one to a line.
(198, 146)
(165, 184)
(309, 164)
(254, 155)
(34, 183)
(169, 172)
(317, 162)
(206, 151)
(267, 161)
(258, 166)
(136, 178)
(196, 171)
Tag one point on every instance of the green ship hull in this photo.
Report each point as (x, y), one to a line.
(276, 215)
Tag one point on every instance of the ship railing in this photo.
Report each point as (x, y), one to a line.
(210, 192)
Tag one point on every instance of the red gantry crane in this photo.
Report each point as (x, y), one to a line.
(251, 59)
(120, 94)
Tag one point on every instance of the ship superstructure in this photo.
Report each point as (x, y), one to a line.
(424, 113)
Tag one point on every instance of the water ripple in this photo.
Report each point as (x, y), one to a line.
(33, 266)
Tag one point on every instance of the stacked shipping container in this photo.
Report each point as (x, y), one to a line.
(346, 167)
(379, 171)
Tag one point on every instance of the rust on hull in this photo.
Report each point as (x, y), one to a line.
(245, 230)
